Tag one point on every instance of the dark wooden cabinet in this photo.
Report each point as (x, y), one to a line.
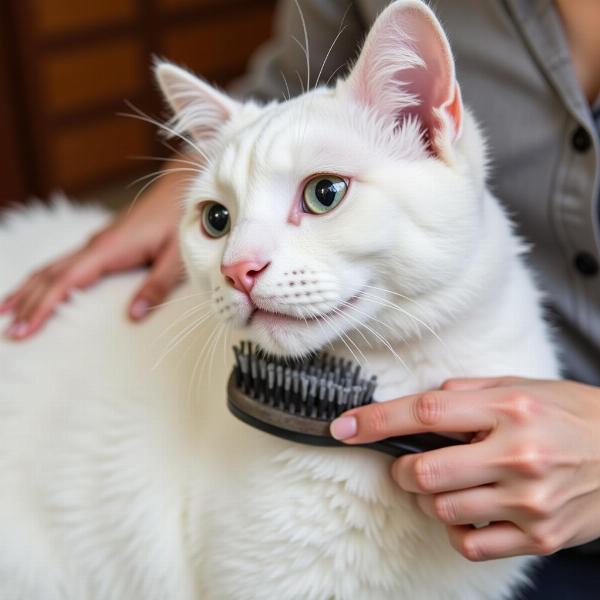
(71, 65)
(13, 163)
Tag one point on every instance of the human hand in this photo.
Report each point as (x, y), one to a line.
(146, 234)
(532, 469)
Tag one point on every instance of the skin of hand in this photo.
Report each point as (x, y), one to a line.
(142, 235)
(531, 472)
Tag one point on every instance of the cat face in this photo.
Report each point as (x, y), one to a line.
(341, 213)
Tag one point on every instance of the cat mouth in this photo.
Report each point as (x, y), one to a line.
(274, 317)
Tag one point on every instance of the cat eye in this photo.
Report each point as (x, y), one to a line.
(323, 193)
(215, 219)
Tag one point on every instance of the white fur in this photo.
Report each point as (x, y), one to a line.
(121, 478)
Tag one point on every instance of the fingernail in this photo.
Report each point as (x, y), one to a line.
(344, 428)
(139, 309)
(17, 330)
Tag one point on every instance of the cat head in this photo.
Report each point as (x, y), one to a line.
(343, 212)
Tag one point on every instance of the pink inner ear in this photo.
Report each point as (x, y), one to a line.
(406, 68)
(440, 105)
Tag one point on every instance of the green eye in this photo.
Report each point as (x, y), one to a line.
(323, 193)
(215, 219)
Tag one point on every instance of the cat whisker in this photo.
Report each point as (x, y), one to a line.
(306, 45)
(345, 317)
(156, 175)
(368, 316)
(407, 298)
(287, 87)
(226, 345)
(167, 159)
(188, 313)
(329, 344)
(335, 73)
(300, 81)
(206, 160)
(388, 304)
(164, 172)
(213, 350)
(349, 338)
(142, 116)
(384, 341)
(143, 189)
(341, 30)
(180, 337)
(200, 358)
(182, 299)
(406, 312)
(341, 336)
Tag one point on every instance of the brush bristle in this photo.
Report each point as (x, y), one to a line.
(320, 387)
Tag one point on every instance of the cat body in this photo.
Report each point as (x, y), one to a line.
(122, 473)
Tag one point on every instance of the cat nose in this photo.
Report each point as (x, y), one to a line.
(242, 275)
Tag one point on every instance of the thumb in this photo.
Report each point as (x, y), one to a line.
(164, 276)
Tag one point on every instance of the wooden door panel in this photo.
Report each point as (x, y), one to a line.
(218, 45)
(99, 149)
(106, 71)
(54, 17)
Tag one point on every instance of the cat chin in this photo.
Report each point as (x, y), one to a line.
(295, 340)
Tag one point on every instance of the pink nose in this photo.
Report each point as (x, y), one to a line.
(242, 275)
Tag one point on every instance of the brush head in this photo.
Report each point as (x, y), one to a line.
(297, 399)
(319, 387)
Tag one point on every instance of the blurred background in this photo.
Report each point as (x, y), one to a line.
(68, 66)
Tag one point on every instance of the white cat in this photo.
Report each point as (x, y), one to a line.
(357, 217)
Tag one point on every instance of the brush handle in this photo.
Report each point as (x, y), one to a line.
(315, 432)
(412, 444)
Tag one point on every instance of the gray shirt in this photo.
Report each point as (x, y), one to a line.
(515, 72)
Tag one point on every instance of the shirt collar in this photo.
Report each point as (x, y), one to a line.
(541, 28)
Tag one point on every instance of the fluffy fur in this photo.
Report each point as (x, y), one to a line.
(122, 474)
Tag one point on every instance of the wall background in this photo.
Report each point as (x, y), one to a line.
(68, 66)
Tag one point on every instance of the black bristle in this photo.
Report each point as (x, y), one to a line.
(287, 386)
(270, 395)
(303, 394)
(255, 390)
(279, 386)
(320, 386)
(238, 367)
(262, 367)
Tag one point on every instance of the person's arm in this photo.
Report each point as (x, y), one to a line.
(532, 469)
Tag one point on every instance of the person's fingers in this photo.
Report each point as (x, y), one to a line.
(20, 294)
(7, 304)
(48, 289)
(465, 384)
(30, 287)
(497, 540)
(27, 304)
(447, 469)
(465, 507)
(439, 411)
(164, 276)
(42, 309)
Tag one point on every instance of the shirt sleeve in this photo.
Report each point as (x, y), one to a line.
(280, 68)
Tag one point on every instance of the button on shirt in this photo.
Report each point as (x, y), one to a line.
(515, 72)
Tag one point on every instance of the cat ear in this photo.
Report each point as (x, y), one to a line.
(406, 68)
(199, 108)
